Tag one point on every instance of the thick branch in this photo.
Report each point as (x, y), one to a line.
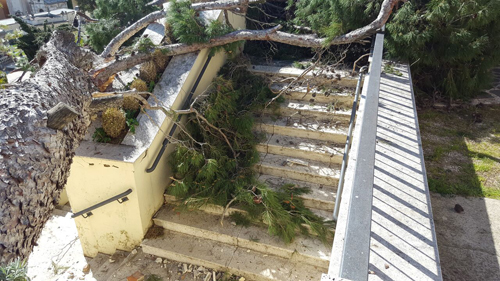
(271, 34)
(89, 19)
(179, 49)
(130, 31)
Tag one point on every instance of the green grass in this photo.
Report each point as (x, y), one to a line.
(462, 150)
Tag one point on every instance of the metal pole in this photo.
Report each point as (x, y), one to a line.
(77, 9)
(347, 146)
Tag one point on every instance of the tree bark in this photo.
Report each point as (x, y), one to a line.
(35, 159)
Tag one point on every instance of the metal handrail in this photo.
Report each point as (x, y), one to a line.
(122, 197)
(356, 243)
(340, 186)
(186, 105)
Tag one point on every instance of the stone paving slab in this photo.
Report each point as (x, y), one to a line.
(469, 242)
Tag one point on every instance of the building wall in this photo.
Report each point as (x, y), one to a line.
(92, 180)
(38, 7)
(4, 11)
(20, 6)
(113, 226)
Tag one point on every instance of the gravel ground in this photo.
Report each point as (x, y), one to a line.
(59, 257)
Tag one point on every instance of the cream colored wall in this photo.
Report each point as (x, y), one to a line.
(153, 185)
(113, 226)
(122, 226)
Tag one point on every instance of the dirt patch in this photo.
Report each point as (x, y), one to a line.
(154, 232)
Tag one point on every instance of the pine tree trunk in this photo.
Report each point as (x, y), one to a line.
(35, 159)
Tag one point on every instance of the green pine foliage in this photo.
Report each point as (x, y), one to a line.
(206, 171)
(452, 43)
(114, 16)
(101, 33)
(125, 11)
(187, 27)
(33, 38)
(331, 18)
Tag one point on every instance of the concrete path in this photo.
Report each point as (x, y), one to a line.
(491, 96)
(469, 242)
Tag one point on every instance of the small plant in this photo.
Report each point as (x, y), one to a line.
(139, 85)
(113, 122)
(144, 45)
(131, 120)
(14, 271)
(100, 136)
(301, 65)
(147, 71)
(131, 104)
(389, 69)
(151, 87)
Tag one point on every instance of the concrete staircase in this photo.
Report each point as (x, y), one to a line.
(303, 145)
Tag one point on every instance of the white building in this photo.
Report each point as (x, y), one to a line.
(40, 6)
(25, 7)
(18, 7)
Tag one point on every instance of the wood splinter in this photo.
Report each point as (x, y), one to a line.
(60, 115)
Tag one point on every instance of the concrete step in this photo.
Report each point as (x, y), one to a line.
(321, 197)
(109, 265)
(340, 96)
(295, 108)
(218, 210)
(339, 78)
(310, 149)
(233, 259)
(326, 129)
(256, 238)
(298, 169)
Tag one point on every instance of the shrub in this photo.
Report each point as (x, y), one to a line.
(139, 85)
(14, 271)
(113, 122)
(131, 103)
(147, 72)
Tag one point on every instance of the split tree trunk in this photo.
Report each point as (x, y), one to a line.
(35, 159)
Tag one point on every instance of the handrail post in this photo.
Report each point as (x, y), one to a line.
(347, 145)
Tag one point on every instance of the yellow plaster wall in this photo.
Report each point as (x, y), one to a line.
(113, 226)
(92, 180)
